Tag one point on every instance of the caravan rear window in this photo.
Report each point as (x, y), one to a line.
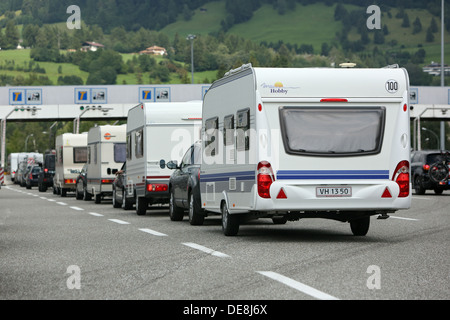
(120, 152)
(80, 155)
(332, 131)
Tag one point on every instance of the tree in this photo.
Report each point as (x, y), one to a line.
(417, 26)
(11, 35)
(405, 23)
(430, 36)
(433, 26)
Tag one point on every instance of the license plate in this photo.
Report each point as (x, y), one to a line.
(333, 191)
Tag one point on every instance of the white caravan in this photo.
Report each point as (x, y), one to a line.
(157, 133)
(71, 155)
(106, 155)
(296, 143)
(15, 158)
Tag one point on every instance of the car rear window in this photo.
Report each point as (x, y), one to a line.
(435, 157)
(332, 131)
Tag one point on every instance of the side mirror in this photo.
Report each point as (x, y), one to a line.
(172, 164)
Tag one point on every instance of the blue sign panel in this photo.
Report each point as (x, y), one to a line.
(25, 96)
(90, 95)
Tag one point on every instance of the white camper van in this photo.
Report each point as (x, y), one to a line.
(106, 155)
(157, 133)
(15, 158)
(306, 143)
(71, 155)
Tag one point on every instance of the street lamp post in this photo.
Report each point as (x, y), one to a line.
(191, 38)
(26, 141)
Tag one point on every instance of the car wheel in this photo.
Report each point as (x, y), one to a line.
(141, 206)
(230, 222)
(418, 186)
(196, 218)
(360, 226)
(114, 199)
(28, 186)
(175, 213)
(126, 204)
(63, 192)
(438, 190)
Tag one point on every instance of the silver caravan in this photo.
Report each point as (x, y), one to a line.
(106, 155)
(71, 155)
(157, 133)
(294, 143)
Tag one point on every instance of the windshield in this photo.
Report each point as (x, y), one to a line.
(332, 131)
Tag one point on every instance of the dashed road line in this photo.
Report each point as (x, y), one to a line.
(62, 203)
(298, 285)
(77, 208)
(153, 232)
(118, 221)
(402, 218)
(206, 250)
(95, 214)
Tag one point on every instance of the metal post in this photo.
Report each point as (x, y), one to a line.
(191, 37)
(3, 123)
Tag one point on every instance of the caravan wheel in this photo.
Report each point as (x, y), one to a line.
(141, 206)
(230, 223)
(360, 226)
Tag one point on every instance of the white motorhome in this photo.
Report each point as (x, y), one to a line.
(296, 143)
(71, 155)
(106, 155)
(157, 133)
(15, 158)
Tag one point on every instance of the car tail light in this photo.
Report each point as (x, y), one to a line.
(401, 176)
(45, 170)
(426, 167)
(265, 179)
(31, 176)
(157, 187)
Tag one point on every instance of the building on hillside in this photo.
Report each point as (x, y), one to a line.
(91, 46)
(155, 51)
(434, 68)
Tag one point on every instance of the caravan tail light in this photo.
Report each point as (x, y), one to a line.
(401, 176)
(69, 181)
(265, 179)
(157, 187)
(107, 181)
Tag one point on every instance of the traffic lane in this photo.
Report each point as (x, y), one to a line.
(313, 236)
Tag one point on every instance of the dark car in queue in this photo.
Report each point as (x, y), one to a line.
(31, 178)
(45, 179)
(80, 185)
(119, 190)
(184, 187)
(430, 171)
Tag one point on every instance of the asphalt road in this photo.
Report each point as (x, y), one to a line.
(54, 248)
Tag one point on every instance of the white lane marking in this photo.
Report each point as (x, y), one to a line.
(62, 203)
(51, 200)
(421, 198)
(298, 285)
(95, 214)
(411, 219)
(153, 232)
(205, 249)
(118, 221)
(43, 198)
(76, 208)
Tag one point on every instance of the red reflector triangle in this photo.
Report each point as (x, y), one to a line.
(281, 194)
(386, 193)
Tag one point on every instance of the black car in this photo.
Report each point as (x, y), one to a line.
(81, 185)
(45, 179)
(430, 171)
(119, 189)
(31, 178)
(184, 187)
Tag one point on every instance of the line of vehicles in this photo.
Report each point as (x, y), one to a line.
(283, 144)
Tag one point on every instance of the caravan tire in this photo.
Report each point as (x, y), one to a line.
(86, 195)
(98, 198)
(126, 204)
(141, 206)
(360, 226)
(175, 213)
(230, 223)
(196, 218)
